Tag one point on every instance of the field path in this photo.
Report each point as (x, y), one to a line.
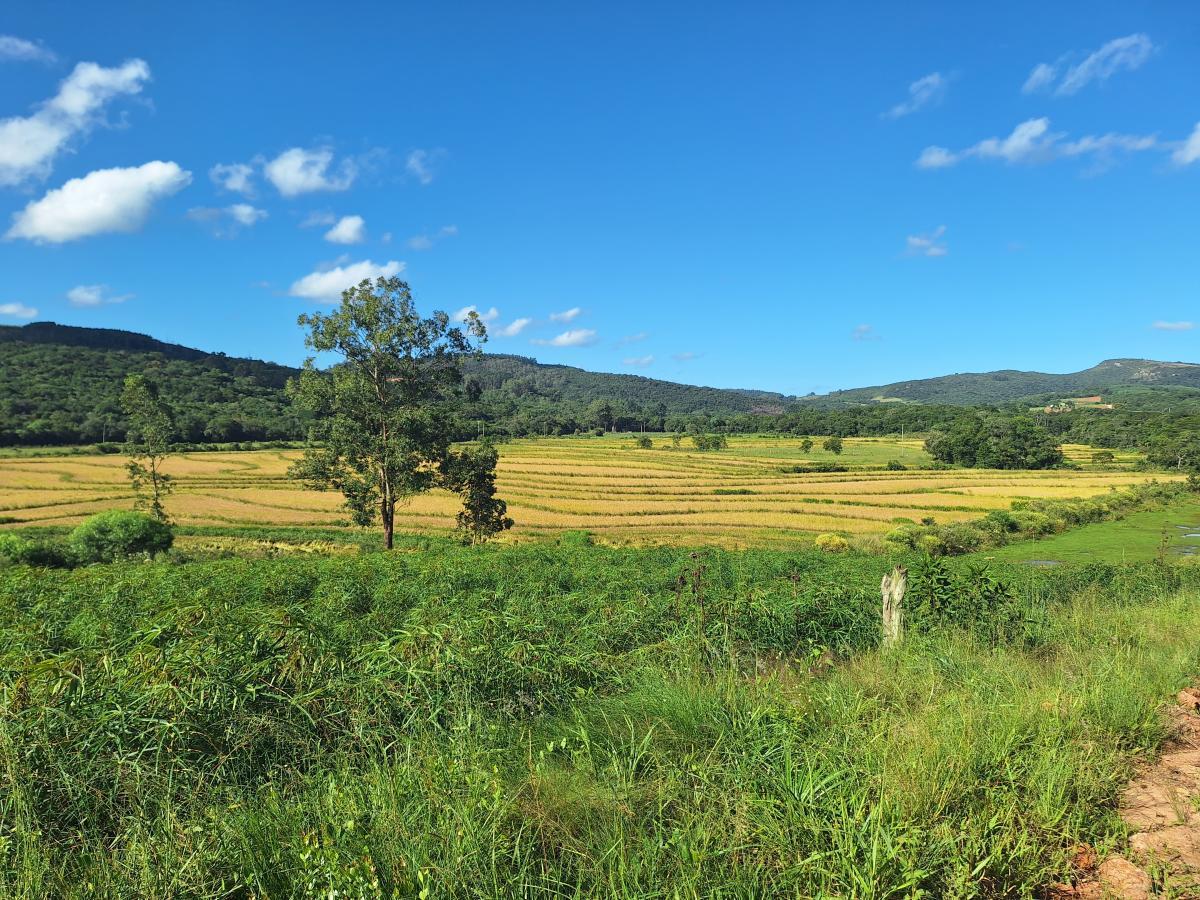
(1162, 807)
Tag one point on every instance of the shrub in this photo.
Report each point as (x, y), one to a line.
(832, 543)
(119, 534)
(34, 552)
(959, 538)
(894, 465)
(644, 443)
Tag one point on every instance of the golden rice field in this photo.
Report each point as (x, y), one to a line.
(741, 496)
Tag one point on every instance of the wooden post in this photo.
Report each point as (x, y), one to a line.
(893, 587)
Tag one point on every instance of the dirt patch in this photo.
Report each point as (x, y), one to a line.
(1162, 808)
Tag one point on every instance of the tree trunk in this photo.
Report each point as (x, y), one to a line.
(893, 588)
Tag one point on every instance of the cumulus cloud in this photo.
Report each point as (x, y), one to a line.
(567, 315)
(29, 144)
(107, 200)
(639, 362)
(1124, 53)
(513, 328)
(15, 49)
(1173, 326)
(326, 284)
(921, 93)
(426, 241)
(1033, 142)
(1189, 151)
(422, 164)
(460, 315)
(575, 337)
(930, 244)
(236, 177)
(299, 171)
(17, 311)
(347, 230)
(94, 295)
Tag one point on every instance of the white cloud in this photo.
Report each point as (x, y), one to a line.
(1042, 76)
(422, 164)
(15, 49)
(245, 214)
(29, 144)
(426, 241)
(686, 356)
(240, 215)
(513, 328)
(632, 338)
(921, 93)
(318, 218)
(1173, 326)
(567, 315)
(575, 337)
(930, 244)
(94, 295)
(348, 230)
(460, 315)
(236, 177)
(1129, 53)
(299, 171)
(864, 333)
(639, 362)
(17, 310)
(326, 285)
(1189, 151)
(1032, 142)
(106, 200)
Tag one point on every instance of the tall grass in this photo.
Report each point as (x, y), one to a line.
(568, 721)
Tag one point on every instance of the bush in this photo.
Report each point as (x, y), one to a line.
(644, 443)
(36, 552)
(832, 543)
(119, 534)
(894, 465)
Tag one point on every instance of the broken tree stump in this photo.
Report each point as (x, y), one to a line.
(893, 587)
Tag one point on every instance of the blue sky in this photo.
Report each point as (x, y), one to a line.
(787, 196)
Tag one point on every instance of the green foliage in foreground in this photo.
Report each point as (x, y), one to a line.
(119, 534)
(570, 721)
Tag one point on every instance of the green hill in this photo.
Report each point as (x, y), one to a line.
(61, 384)
(1011, 385)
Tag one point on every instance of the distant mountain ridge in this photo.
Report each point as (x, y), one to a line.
(1012, 385)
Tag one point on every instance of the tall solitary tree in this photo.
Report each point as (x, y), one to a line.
(471, 472)
(147, 443)
(383, 419)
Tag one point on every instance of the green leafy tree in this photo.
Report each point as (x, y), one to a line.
(806, 445)
(382, 420)
(148, 442)
(471, 473)
(645, 443)
(833, 445)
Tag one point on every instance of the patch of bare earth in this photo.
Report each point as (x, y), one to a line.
(1162, 808)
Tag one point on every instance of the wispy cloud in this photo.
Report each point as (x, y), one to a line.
(325, 285)
(1120, 54)
(1032, 142)
(513, 328)
(236, 177)
(229, 220)
(17, 311)
(1173, 326)
(426, 241)
(633, 338)
(29, 144)
(423, 164)
(930, 244)
(15, 49)
(575, 337)
(921, 93)
(1189, 150)
(686, 356)
(94, 295)
(864, 333)
(107, 200)
(639, 362)
(567, 315)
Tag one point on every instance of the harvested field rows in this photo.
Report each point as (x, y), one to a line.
(748, 494)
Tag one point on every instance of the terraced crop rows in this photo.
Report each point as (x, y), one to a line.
(744, 495)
